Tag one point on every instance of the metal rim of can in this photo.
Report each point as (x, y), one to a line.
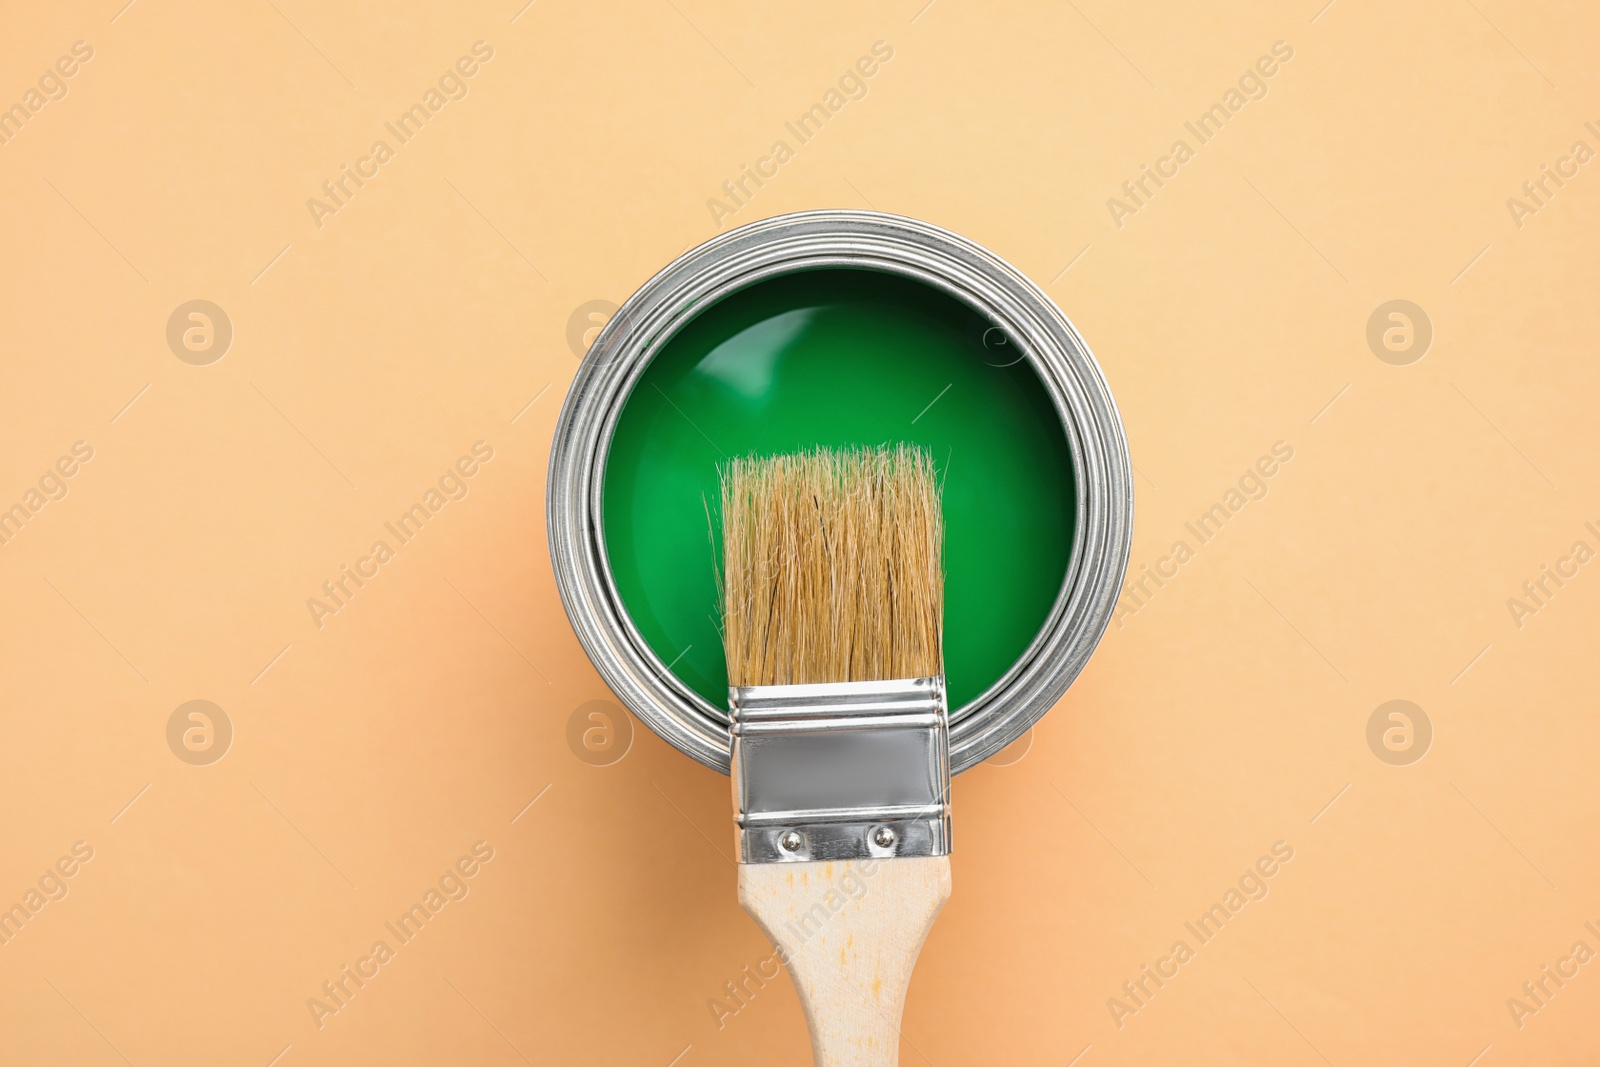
(874, 241)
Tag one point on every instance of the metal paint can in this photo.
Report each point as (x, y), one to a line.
(874, 241)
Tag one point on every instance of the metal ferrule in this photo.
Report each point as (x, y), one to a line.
(841, 770)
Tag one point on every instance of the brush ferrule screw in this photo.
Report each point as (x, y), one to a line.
(791, 842)
(883, 837)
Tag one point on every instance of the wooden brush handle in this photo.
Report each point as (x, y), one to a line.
(850, 932)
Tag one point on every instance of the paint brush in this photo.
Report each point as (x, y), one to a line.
(832, 608)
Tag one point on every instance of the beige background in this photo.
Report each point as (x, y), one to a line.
(1227, 714)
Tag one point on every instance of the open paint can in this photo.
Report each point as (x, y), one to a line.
(841, 328)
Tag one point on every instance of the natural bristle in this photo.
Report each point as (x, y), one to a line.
(831, 568)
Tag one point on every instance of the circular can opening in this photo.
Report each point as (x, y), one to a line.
(836, 357)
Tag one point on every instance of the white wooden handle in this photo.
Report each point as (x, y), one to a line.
(849, 933)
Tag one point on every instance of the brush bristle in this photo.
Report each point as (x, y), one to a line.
(831, 567)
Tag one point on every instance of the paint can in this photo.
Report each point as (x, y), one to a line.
(1029, 324)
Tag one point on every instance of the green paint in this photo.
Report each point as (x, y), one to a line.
(842, 357)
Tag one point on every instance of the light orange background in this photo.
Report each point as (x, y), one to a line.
(432, 312)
